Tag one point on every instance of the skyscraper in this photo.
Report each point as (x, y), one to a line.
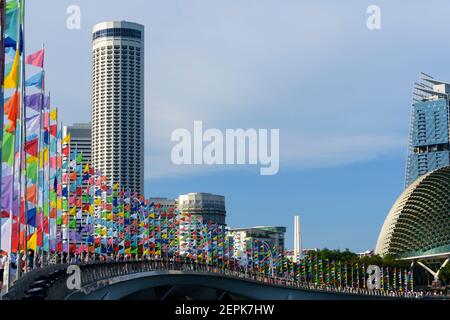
(118, 103)
(80, 140)
(429, 128)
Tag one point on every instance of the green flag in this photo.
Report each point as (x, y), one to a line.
(8, 148)
(32, 171)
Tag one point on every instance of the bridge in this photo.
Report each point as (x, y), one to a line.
(164, 280)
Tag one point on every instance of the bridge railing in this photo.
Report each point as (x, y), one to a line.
(91, 273)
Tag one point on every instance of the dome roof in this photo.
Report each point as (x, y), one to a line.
(419, 222)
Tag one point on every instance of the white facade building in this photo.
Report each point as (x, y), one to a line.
(118, 103)
(210, 206)
(80, 140)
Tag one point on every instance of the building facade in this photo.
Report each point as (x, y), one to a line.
(163, 204)
(80, 140)
(118, 103)
(210, 206)
(429, 129)
(269, 237)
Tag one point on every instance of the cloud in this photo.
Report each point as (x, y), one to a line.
(338, 92)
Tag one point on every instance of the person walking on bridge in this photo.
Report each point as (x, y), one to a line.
(3, 264)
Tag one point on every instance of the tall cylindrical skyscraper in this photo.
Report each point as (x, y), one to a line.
(118, 103)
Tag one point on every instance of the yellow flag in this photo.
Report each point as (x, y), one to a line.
(12, 79)
(66, 139)
(31, 160)
(43, 157)
(46, 156)
(86, 168)
(98, 201)
(73, 211)
(59, 204)
(32, 242)
(54, 114)
(128, 251)
(91, 209)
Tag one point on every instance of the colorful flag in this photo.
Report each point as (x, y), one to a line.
(36, 59)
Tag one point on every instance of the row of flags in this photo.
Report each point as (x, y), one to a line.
(28, 127)
(319, 271)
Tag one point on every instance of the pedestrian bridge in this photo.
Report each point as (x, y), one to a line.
(155, 280)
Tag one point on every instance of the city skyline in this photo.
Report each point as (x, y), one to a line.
(315, 167)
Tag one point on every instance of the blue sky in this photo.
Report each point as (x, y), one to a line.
(339, 93)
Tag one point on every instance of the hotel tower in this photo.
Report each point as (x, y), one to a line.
(118, 103)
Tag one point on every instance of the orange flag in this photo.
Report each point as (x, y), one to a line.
(12, 110)
(31, 194)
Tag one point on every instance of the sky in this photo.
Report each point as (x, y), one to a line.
(339, 93)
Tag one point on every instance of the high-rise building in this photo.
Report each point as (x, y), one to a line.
(429, 129)
(118, 103)
(210, 206)
(80, 140)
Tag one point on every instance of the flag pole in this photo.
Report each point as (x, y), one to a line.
(68, 204)
(2, 76)
(48, 177)
(20, 138)
(43, 158)
(23, 134)
(40, 179)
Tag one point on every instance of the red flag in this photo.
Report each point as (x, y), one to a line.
(53, 130)
(39, 238)
(65, 151)
(53, 213)
(36, 59)
(31, 147)
(46, 226)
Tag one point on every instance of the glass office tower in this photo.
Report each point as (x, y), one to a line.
(429, 129)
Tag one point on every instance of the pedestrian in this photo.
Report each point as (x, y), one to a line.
(30, 261)
(3, 264)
